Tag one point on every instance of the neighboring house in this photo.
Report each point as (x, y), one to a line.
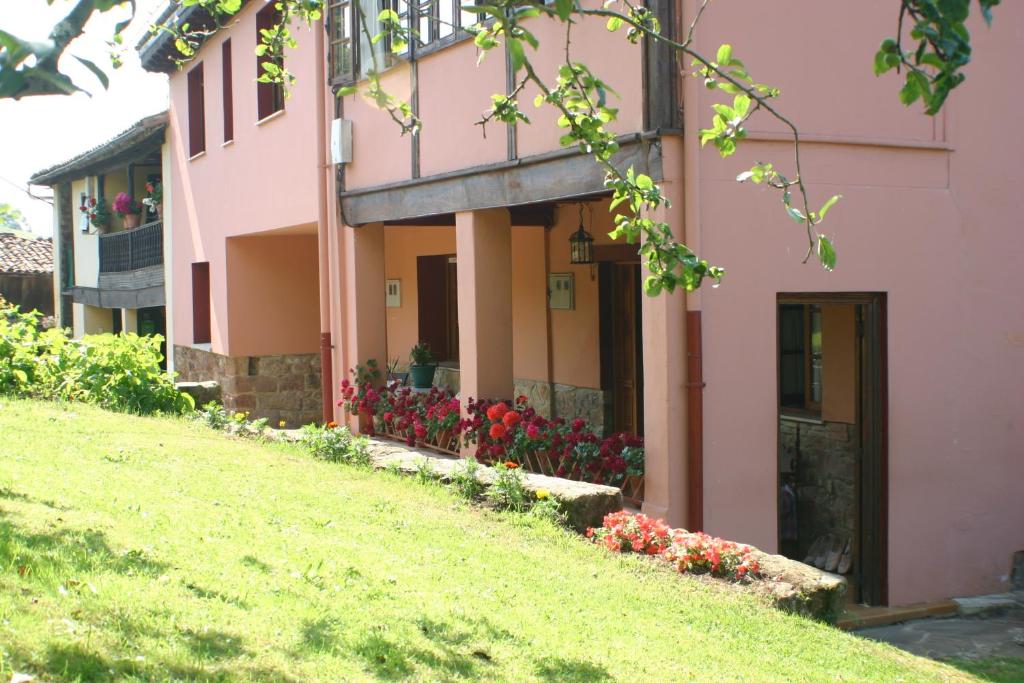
(26, 271)
(109, 278)
(886, 395)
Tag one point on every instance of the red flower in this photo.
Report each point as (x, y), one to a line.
(420, 430)
(511, 418)
(332, 425)
(497, 411)
(497, 431)
(578, 424)
(512, 465)
(532, 432)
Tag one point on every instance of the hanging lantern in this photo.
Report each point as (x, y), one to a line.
(581, 244)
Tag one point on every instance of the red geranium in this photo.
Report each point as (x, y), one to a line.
(511, 418)
(497, 431)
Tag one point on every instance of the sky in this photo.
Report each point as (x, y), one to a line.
(38, 132)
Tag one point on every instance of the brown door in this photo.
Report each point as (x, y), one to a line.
(627, 390)
(432, 296)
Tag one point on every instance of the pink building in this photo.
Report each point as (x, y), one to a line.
(881, 403)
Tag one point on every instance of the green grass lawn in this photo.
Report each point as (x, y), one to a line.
(143, 548)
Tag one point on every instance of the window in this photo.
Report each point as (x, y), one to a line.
(351, 52)
(340, 24)
(229, 107)
(201, 303)
(269, 96)
(800, 357)
(196, 113)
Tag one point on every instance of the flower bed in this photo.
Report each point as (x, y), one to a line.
(689, 552)
(570, 450)
(502, 433)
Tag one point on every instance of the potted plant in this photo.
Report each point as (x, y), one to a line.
(423, 366)
(155, 198)
(97, 211)
(128, 209)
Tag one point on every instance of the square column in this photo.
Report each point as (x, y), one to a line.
(665, 417)
(364, 328)
(483, 244)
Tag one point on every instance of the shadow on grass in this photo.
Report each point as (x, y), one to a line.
(559, 669)
(10, 494)
(993, 669)
(321, 635)
(76, 663)
(250, 561)
(68, 552)
(209, 594)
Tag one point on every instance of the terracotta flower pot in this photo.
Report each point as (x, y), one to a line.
(160, 211)
(131, 220)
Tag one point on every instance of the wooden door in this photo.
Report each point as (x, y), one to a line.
(432, 302)
(627, 390)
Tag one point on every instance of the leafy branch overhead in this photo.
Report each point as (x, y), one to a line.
(931, 48)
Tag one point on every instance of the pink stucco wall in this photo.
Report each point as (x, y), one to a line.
(932, 227)
(264, 180)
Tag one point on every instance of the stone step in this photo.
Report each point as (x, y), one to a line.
(585, 504)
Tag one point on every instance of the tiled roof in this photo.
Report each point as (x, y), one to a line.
(149, 130)
(25, 256)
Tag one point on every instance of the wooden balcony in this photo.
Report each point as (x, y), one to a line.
(130, 250)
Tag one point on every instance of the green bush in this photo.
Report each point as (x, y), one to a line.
(118, 372)
(336, 444)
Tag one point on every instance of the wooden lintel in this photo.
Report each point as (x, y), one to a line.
(564, 175)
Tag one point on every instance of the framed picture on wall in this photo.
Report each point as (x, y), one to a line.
(561, 291)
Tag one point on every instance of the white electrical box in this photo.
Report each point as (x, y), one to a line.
(341, 141)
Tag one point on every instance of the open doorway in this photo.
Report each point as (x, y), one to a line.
(831, 436)
(438, 305)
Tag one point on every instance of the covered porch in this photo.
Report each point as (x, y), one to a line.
(510, 318)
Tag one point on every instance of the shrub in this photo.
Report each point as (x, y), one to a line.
(548, 507)
(118, 372)
(464, 479)
(336, 444)
(507, 491)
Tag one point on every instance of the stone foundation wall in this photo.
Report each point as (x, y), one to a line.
(275, 387)
(826, 478)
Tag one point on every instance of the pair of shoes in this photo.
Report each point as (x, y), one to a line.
(815, 550)
(845, 560)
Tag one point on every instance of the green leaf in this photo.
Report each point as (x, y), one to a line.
(826, 253)
(98, 72)
(644, 182)
(515, 52)
(828, 205)
(347, 90)
(724, 55)
(796, 214)
(614, 24)
(563, 8)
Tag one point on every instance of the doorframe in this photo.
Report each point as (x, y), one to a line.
(874, 414)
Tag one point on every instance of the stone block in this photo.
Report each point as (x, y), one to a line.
(265, 384)
(986, 604)
(585, 504)
(799, 588)
(291, 382)
(201, 392)
(242, 403)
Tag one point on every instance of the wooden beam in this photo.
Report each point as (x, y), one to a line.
(661, 110)
(551, 177)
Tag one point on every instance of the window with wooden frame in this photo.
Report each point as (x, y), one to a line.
(800, 358)
(436, 22)
(340, 25)
(229, 106)
(196, 112)
(269, 96)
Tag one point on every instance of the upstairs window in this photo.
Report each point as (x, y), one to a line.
(196, 111)
(340, 25)
(229, 106)
(269, 96)
(352, 53)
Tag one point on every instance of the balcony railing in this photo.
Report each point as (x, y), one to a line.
(132, 249)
